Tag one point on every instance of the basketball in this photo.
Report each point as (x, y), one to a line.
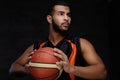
(43, 65)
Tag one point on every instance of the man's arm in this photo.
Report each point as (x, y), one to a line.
(19, 66)
(95, 69)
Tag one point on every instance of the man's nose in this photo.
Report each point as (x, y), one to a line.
(66, 17)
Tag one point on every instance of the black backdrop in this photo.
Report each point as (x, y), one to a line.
(22, 22)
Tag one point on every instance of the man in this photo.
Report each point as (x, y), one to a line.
(86, 64)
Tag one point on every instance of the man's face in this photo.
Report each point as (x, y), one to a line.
(61, 18)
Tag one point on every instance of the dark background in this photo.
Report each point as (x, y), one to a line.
(23, 22)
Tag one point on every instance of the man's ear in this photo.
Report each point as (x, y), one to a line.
(49, 18)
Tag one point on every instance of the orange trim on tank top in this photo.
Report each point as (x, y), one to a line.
(42, 44)
(72, 57)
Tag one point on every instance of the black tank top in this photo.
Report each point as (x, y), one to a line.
(65, 46)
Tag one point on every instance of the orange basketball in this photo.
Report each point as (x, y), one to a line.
(43, 65)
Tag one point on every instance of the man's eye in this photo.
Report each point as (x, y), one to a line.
(60, 13)
(69, 15)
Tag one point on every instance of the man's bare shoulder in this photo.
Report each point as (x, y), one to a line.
(86, 44)
(85, 41)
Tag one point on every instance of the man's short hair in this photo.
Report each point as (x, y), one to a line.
(57, 2)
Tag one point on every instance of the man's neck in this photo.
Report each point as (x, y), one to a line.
(55, 38)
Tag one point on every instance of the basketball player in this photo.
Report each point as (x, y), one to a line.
(84, 63)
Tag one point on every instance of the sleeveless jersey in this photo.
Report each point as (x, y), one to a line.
(69, 46)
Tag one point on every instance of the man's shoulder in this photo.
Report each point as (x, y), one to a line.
(73, 38)
(77, 39)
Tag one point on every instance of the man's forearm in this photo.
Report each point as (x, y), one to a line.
(18, 70)
(90, 72)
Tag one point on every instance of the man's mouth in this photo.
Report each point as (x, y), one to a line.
(66, 24)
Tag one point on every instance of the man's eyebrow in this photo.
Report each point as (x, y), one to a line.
(61, 11)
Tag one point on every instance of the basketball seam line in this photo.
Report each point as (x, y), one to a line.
(43, 65)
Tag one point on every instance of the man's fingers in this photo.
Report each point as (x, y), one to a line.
(61, 63)
(31, 53)
(27, 65)
(59, 51)
(58, 55)
(29, 57)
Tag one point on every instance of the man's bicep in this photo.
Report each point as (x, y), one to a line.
(89, 53)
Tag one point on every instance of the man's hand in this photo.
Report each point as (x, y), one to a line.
(28, 59)
(64, 60)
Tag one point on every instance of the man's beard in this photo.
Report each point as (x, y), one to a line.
(57, 29)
